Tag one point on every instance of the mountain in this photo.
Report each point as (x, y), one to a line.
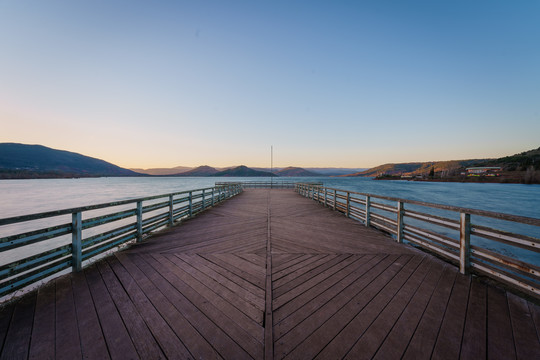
(163, 171)
(200, 171)
(295, 172)
(243, 171)
(523, 167)
(418, 168)
(335, 171)
(517, 162)
(37, 161)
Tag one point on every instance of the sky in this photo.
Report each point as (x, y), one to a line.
(327, 83)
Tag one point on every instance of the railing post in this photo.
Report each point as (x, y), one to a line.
(399, 230)
(139, 221)
(368, 209)
(171, 213)
(190, 204)
(76, 241)
(335, 197)
(203, 205)
(213, 190)
(348, 213)
(464, 243)
(325, 197)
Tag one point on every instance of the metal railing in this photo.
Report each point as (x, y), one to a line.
(43, 252)
(267, 184)
(449, 232)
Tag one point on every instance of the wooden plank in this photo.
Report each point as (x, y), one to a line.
(19, 333)
(311, 279)
(535, 315)
(250, 287)
(451, 333)
(68, 345)
(117, 337)
(168, 341)
(196, 311)
(93, 343)
(236, 268)
(194, 343)
(142, 338)
(246, 332)
(525, 336)
(282, 277)
(6, 312)
(301, 307)
(246, 314)
(257, 272)
(474, 335)
(280, 261)
(399, 336)
(425, 336)
(307, 338)
(383, 321)
(196, 261)
(499, 328)
(342, 330)
(43, 333)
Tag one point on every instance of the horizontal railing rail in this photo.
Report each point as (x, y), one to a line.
(485, 246)
(33, 255)
(267, 184)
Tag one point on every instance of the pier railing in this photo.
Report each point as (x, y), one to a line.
(33, 255)
(267, 184)
(506, 250)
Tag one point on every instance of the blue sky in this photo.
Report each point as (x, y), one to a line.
(327, 83)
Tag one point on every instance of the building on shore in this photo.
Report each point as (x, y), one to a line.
(485, 171)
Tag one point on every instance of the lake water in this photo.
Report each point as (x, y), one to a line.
(21, 197)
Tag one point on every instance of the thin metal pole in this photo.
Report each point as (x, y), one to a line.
(271, 166)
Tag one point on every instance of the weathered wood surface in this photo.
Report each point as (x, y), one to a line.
(338, 290)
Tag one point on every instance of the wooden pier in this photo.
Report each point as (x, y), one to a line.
(269, 274)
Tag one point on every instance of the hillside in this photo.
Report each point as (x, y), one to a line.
(419, 168)
(295, 172)
(519, 168)
(243, 171)
(163, 171)
(517, 162)
(200, 171)
(20, 161)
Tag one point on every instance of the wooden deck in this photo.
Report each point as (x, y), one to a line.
(270, 274)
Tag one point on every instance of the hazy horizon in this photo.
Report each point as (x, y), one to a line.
(328, 84)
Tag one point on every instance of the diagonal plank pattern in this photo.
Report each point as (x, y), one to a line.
(269, 274)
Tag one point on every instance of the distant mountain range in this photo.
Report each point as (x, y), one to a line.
(37, 161)
(208, 171)
(21, 161)
(525, 161)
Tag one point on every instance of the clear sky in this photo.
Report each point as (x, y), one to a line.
(327, 83)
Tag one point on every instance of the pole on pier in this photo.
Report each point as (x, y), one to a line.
(464, 242)
(171, 212)
(139, 221)
(271, 166)
(76, 241)
(400, 212)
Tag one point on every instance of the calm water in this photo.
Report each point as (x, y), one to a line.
(19, 197)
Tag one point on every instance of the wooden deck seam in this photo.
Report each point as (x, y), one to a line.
(268, 319)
